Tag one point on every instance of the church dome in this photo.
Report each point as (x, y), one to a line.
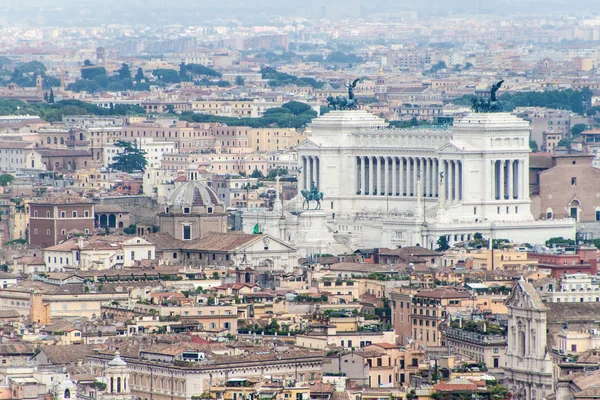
(192, 194)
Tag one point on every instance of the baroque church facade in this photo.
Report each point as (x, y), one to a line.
(386, 187)
(528, 370)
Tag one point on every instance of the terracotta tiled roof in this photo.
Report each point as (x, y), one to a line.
(29, 260)
(61, 355)
(386, 345)
(11, 349)
(164, 241)
(443, 293)
(214, 241)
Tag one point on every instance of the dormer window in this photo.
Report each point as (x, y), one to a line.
(210, 210)
(167, 210)
(186, 210)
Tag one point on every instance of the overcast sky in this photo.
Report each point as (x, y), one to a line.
(199, 12)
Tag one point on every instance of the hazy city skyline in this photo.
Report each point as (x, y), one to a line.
(77, 13)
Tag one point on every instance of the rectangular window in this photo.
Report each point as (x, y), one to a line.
(74, 214)
(187, 232)
(133, 255)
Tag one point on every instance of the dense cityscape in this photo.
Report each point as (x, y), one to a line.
(294, 201)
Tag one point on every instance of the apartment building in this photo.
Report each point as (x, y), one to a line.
(429, 308)
(51, 221)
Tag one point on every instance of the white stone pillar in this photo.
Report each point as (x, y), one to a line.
(386, 176)
(490, 190)
(424, 179)
(401, 178)
(363, 175)
(378, 172)
(502, 179)
(375, 173)
(452, 182)
(525, 178)
(394, 176)
(415, 176)
(436, 177)
(358, 171)
(304, 172)
(443, 180)
(510, 179)
(450, 185)
(309, 171)
(318, 171)
(369, 175)
(460, 180)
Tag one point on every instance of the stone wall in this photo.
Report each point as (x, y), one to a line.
(143, 209)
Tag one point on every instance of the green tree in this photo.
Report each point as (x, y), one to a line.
(257, 174)
(592, 111)
(559, 240)
(124, 72)
(167, 75)
(6, 179)
(197, 72)
(277, 172)
(51, 97)
(533, 145)
(139, 75)
(314, 58)
(239, 81)
(130, 158)
(90, 71)
(4, 61)
(478, 236)
(297, 107)
(577, 129)
(442, 243)
(440, 65)
(566, 142)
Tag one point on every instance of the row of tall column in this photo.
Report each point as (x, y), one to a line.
(397, 176)
(507, 176)
(311, 171)
(452, 181)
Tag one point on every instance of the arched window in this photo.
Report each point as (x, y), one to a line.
(67, 394)
(522, 343)
(119, 384)
(549, 213)
(574, 209)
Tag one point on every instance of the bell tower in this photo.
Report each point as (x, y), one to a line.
(117, 379)
(381, 88)
(39, 83)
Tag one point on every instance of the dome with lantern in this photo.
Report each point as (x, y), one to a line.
(193, 196)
